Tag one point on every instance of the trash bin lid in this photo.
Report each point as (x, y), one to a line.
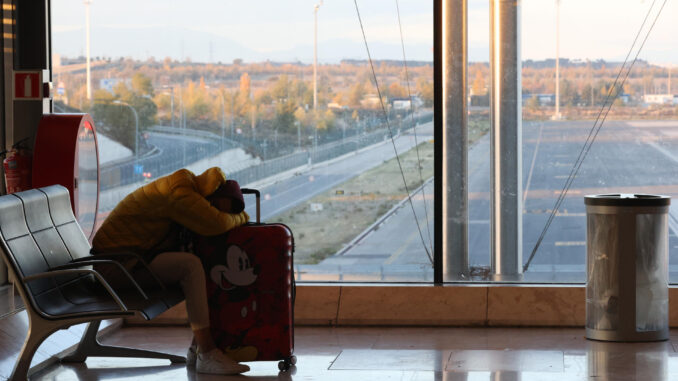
(627, 199)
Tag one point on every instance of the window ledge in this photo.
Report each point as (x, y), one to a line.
(485, 305)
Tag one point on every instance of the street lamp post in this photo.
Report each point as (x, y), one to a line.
(136, 128)
(315, 54)
(171, 94)
(87, 48)
(557, 116)
(315, 72)
(172, 107)
(182, 122)
(253, 118)
(264, 145)
(232, 113)
(298, 134)
(223, 116)
(223, 119)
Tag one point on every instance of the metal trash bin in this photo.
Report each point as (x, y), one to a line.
(627, 296)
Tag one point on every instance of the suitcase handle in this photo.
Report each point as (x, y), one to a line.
(258, 197)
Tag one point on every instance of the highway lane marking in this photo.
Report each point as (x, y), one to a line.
(408, 241)
(402, 248)
(534, 159)
(663, 151)
(669, 189)
(673, 220)
(321, 189)
(301, 199)
(571, 243)
(564, 213)
(652, 124)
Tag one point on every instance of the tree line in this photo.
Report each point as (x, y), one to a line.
(273, 102)
(251, 103)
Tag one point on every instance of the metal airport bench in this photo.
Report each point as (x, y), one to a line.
(50, 259)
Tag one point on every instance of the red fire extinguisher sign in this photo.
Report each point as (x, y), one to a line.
(27, 85)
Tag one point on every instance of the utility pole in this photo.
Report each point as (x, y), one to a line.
(223, 119)
(315, 55)
(182, 124)
(557, 115)
(172, 106)
(588, 65)
(315, 72)
(253, 116)
(298, 124)
(87, 48)
(171, 95)
(223, 116)
(232, 111)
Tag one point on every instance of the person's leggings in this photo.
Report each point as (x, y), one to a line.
(176, 267)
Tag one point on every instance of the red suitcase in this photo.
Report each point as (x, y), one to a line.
(250, 290)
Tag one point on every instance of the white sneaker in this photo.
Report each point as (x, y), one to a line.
(241, 354)
(216, 362)
(191, 356)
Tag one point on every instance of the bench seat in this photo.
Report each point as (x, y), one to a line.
(55, 274)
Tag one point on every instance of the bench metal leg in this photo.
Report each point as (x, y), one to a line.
(37, 333)
(89, 346)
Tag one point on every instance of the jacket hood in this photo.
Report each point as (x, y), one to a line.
(208, 181)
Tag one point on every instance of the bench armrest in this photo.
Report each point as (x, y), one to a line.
(103, 262)
(53, 273)
(123, 254)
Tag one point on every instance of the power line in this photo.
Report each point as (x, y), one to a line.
(414, 125)
(390, 130)
(612, 94)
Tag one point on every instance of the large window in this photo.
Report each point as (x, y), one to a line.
(234, 85)
(634, 150)
(632, 153)
(336, 147)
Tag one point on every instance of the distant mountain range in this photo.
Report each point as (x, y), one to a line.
(177, 43)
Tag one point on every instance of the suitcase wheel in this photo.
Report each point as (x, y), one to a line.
(285, 364)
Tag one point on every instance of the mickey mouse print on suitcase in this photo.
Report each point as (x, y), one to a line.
(250, 290)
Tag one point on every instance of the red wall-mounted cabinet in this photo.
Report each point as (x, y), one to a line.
(66, 153)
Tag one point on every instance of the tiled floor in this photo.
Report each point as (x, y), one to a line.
(13, 329)
(414, 354)
(10, 301)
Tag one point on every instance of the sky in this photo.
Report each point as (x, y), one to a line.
(282, 30)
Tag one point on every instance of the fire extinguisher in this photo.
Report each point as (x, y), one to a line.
(17, 166)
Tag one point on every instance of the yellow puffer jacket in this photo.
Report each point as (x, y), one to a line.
(146, 220)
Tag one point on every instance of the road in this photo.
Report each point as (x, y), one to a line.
(627, 157)
(172, 152)
(286, 194)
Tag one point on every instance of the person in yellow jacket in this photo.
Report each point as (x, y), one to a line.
(148, 222)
